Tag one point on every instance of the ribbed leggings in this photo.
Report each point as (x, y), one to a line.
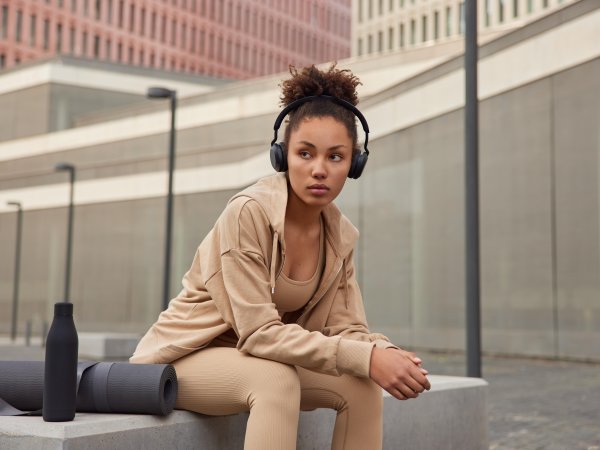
(221, 380)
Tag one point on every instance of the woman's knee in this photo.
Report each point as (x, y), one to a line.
(276, 384)
(363, 393)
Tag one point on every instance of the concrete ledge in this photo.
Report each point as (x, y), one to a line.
(107, 345)
(453, 415)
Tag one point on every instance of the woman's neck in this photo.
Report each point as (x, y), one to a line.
(301, 215)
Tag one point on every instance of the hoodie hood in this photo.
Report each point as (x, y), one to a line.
(271, 193)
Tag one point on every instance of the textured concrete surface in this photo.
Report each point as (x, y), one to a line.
(452, 416)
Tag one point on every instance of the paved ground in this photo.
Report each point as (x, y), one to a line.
(534, 404)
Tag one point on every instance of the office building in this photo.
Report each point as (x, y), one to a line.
(235, 39)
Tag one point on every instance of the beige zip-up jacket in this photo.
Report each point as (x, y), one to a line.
(230, 282)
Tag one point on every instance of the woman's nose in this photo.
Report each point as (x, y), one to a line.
(319, 169)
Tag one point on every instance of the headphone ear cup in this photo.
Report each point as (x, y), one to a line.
(278, 157)
(359, 161)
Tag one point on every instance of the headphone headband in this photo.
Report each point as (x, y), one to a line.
(297, 103)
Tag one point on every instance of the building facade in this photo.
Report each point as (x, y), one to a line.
(380, 26)
(230, 39)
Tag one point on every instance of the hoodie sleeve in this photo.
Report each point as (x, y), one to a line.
(242, 293)
(347, 316)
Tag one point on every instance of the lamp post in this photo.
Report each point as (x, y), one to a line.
(162, 93)
(71, 169)
(13, 325)
(473, 303)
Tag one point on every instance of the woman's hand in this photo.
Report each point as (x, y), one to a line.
(399, 372)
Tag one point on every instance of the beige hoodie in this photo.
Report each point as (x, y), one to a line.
(231, 280)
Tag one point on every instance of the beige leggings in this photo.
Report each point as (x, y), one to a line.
(220, 381)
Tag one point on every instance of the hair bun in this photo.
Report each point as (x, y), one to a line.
(310, 80)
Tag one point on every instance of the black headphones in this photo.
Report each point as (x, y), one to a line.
(278, 152)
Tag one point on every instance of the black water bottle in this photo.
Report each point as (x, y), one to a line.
(60, 368)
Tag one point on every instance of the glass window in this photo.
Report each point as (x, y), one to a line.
(46, 33)
(424, 35)
(143, 22)
(59, 38)
(96, 46)
(19, 26)
(436, 25)
(380, 41)
(109, 11)
(500, 11)
(390, 38)
(173, 31)
(461, 18)
(4, 30)
(402, 43)
(515, 8)
(72, 41)
(360, 12)
(2, 59)
(413, 31)
(380, 7)
(370, 43)
(131, 18)
(84, 43)
(97, 10)
(448, 20)
(32, 29)
(120, 15)
(360, 46)
(488, 12)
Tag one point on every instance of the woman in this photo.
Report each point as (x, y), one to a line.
(270, 319)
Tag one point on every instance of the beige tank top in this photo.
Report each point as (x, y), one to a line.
(291, 295)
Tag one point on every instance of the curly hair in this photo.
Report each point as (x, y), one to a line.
(309, 81)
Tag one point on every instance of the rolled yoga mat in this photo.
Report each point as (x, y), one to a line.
(104, 387)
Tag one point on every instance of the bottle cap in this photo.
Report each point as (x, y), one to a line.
(63, 309)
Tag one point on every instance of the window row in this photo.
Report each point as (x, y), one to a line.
(138, 16)
(415, 31)
(169, 32)
(365, 8)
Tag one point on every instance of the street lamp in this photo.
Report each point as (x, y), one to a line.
(162, 93)
(472, 264)
(13, 326)
(71, 169)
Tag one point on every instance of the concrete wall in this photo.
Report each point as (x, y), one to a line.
(539, 169)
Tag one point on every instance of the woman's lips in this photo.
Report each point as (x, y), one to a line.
(318, 190)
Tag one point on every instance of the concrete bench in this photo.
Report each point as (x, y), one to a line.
(107, 346)
(452, 415)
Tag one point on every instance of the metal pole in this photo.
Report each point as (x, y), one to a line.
(169, 226)
(17, 271)
(69, 238)
(473, 316)
(71, 169)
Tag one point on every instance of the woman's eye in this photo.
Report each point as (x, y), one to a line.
(304, 154)
(336, 157)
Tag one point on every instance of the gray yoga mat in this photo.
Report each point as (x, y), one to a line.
(105, 387)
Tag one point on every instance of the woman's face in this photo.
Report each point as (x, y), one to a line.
(319, 157)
